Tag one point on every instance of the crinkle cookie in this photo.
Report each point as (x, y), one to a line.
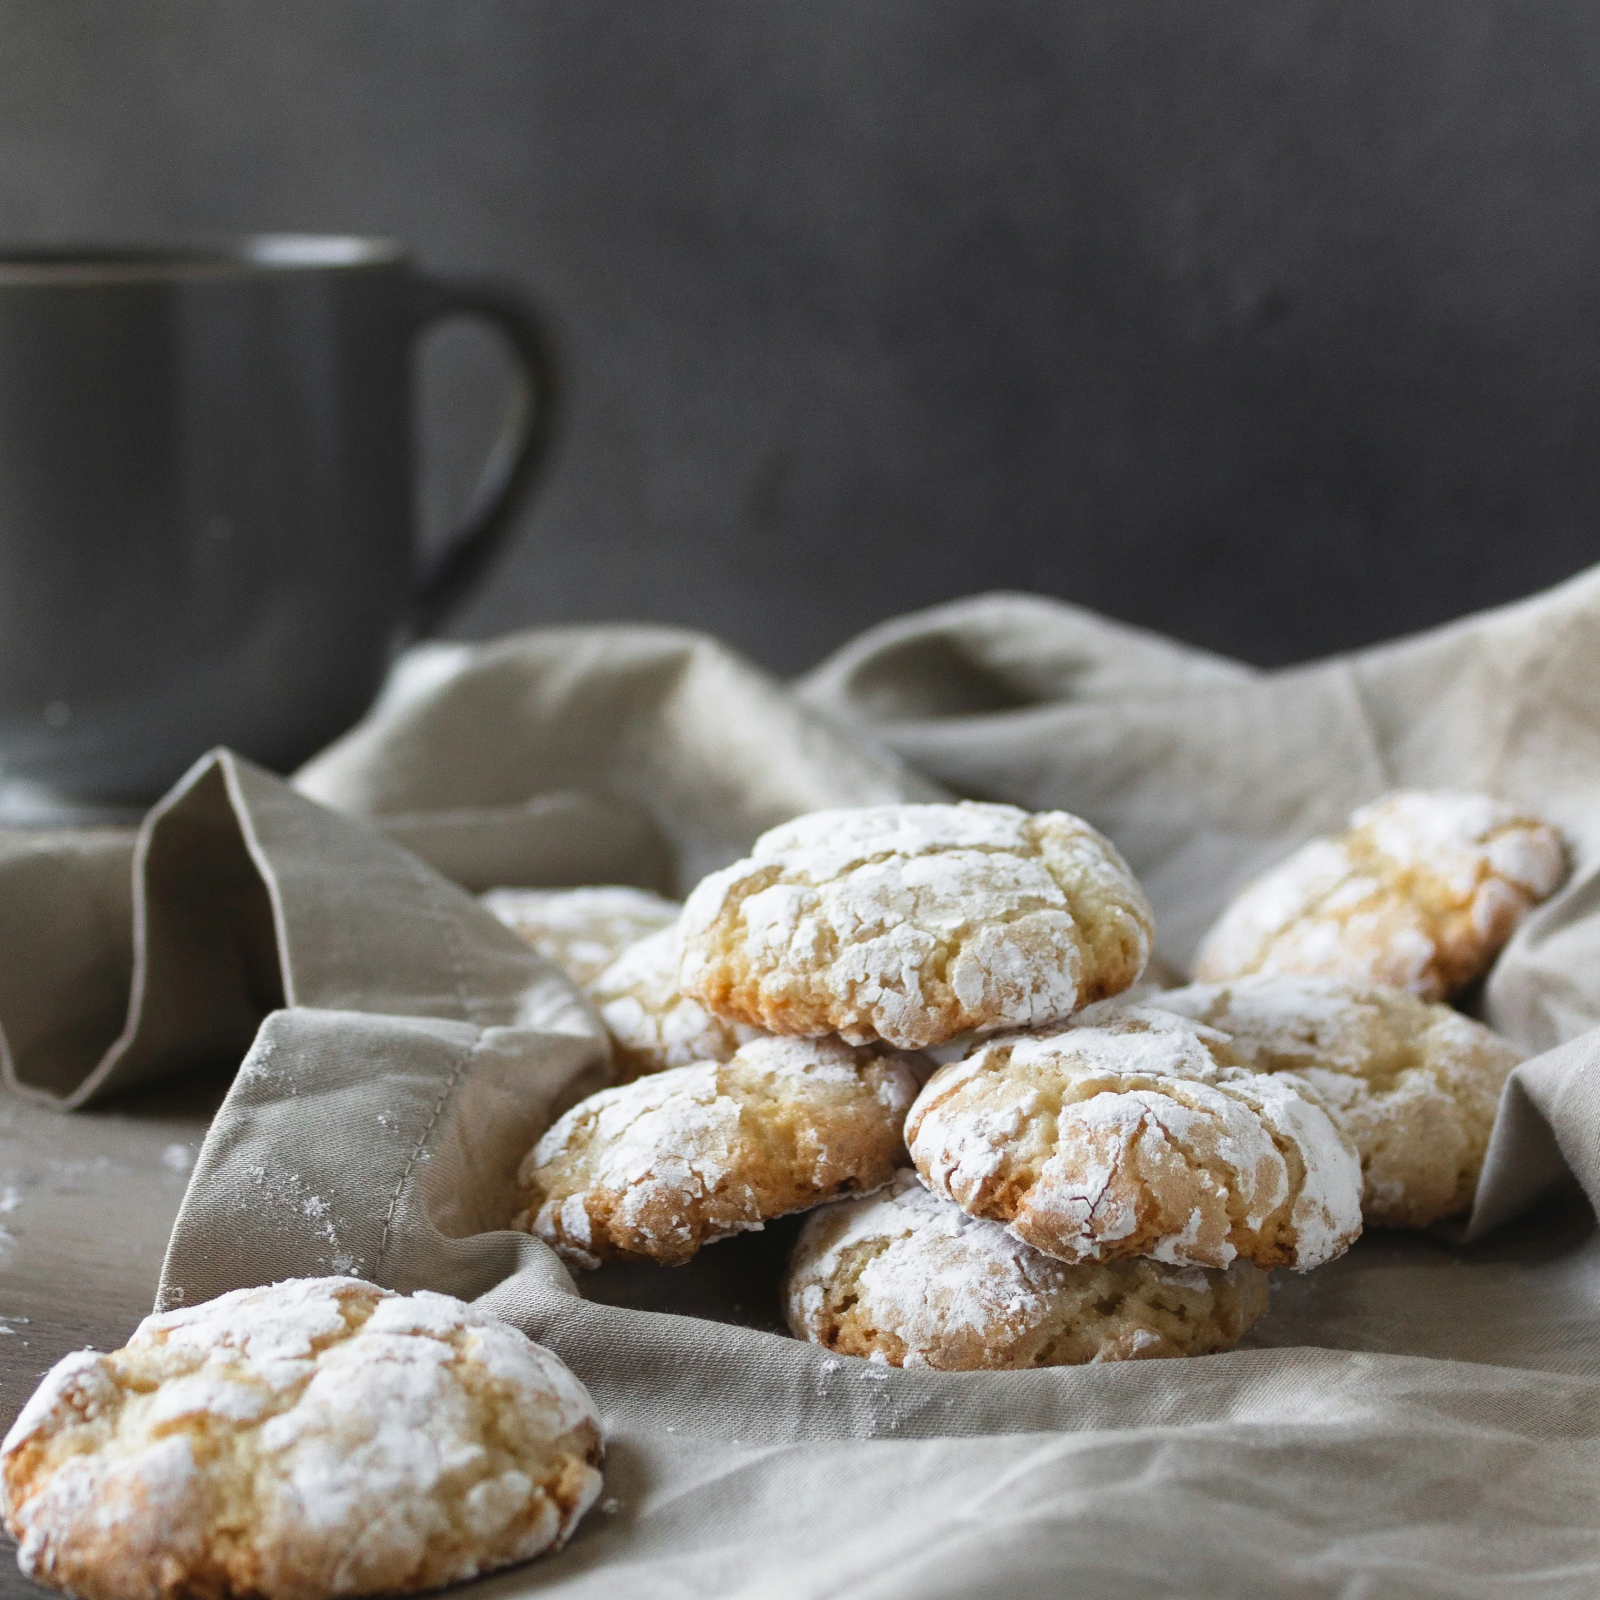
(1135, 1132)
(1414, 1086)
(914, 923)
(906, 1277)
(581, 930)
(653, 1024)
(657, 1168)
(319, 1437)
(1420, 892)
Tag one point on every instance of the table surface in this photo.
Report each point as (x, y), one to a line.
(86, 1205)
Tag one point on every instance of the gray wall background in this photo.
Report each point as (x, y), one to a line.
(1274, 325)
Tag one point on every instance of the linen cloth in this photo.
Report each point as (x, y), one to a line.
(1420, 1418)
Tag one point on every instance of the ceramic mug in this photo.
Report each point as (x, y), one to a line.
(207, 532)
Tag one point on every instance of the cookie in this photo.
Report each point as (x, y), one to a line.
(1136, 1132)
(656, 1168)
(653, 1024)
(581, 930)
(320, 1437)
(1420, 892)
(1413, 1086)
(907, 1278)
(914, 923)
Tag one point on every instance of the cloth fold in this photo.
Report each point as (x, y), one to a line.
(401, 1051)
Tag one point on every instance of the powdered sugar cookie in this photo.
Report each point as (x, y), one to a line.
(319, 1437)
(905, 1277)
(914, 923)
(653, 1024)
(1420, 892)
(1414, 1086)
(656, 1168)
(1135, 1132)
(581, 930)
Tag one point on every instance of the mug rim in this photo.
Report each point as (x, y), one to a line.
(92, 261)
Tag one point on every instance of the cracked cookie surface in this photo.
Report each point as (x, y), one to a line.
(581, 930)
(654, 1169)
(915, 923)
(1133, 1131)
(653, 1024)
(908, 1278)
(1414, 1086)
(320, 1437)
(1420, 892)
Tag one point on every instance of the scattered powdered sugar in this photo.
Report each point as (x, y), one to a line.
(271, 1069)
(79, 1175)
(289, 1192)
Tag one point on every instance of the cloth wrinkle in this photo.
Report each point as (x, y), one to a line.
(1348, 680)
(269, 880)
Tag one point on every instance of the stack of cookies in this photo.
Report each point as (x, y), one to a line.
(1100, 1169)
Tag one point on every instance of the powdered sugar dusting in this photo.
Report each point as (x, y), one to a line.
(1451, 835)
(1413, 1086)
(653, 1024)
(1420, 892)
(1135, 1131)
(905, 1276)
(375, 1441)
(676, 1133)
(657, 1167)
(833, 843)
(581, 930)
(914, 923)
(985, 1275)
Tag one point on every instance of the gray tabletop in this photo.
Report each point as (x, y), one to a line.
(86, 1203)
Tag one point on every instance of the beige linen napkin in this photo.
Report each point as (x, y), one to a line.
(1421, 1418)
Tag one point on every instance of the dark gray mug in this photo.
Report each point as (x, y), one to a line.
(206, 503)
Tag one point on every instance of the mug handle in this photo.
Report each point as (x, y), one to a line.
(516, 456)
